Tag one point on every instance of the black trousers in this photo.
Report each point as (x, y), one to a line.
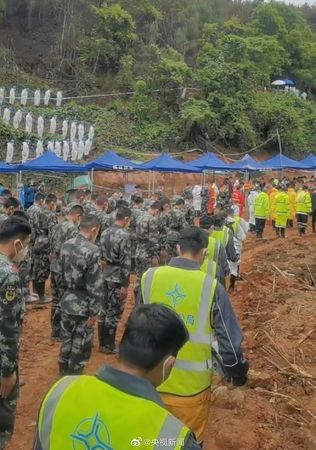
(260, 225)
(302, 220)
(314, 220)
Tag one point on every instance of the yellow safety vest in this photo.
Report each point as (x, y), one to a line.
(213, 249)
(303, 204)
(235, 224)
(221, 235)
(87, 413)
(209, 266)
(261, 206)
(190, 293)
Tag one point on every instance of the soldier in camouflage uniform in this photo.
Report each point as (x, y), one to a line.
(189, 212)
(82, 283)
(148, 246)
(61, 233)
(164, 222)
(177, 223)
(116, 253)
(112, 215)
(137, 212)
(43, 227)
(15, 235)
(101, 214)
(89, 204)
(187, 192)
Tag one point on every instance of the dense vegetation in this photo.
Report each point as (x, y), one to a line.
(225, 53)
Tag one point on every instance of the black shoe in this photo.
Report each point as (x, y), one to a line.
(109, 350)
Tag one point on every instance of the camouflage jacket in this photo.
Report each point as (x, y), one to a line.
(135, 217)
(79, 266)
(116, 252)
(176, 224)
(163, 227)
(147, 234)
(89, 207)
(11, 312)
(43, 228)
(61, 233)
(189, 213)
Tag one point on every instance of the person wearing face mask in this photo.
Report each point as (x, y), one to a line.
(15, 235)
(80, 277)
(116, 252)
(43, 226)
(204, 306)
(62, 232)
(10, 205)
(119, 407)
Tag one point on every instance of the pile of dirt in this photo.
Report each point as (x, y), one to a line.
(276, 306)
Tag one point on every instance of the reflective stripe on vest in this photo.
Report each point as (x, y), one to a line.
(78, 401)
(221, 235)
(235, 224)
(209, 266)
(190, 293)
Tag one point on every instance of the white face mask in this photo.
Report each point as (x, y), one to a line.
(22, 254)
(164, 368)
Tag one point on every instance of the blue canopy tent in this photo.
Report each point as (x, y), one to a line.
(209, 162)
(49, 162)
(111, 161)
(164, 163)
(310, 161)
(245, 164)
(280, 162)
(6, 168)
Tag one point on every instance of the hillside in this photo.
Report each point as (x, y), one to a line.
(193, 73)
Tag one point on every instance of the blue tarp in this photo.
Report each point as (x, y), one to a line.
(6, 168)
(209, 162)
(111, 161)
(49, 162)
(279, 162)
(246, 163)
(310, 161)
(164, 163)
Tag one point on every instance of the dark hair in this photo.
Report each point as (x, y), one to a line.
(123, 212)
(14, 227)
(155, 205)
(11, 202)
(180, 201)
(193, 240)
(89, 221)
(6, 193)
(219, 219)
(21, 214)
(164, 201)
(51, 198)
(120, 203)
(87, 192)
(39, 196)
(152, 332)
(138, 200)
(76, 209)
(206, 222)
(94, 196)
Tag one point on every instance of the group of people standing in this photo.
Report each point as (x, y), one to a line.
(182, 324)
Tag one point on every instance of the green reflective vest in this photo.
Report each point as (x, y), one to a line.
(235, 225)
(282, 204)
(209, 267)
(261, 206)
(81, 413)
(221, 235)
(190, 293)
(303, 204)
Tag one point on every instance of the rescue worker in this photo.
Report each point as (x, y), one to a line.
(148, 246)
(43, 227)
(272, 194)
(82, 284)
(101, 205)
(119, 408)
(15, 234)
(205, 308)
(61, 233)
(238, 199)
(11, 205)
(176, 224)
(282, 210)
(251, 201)
(303, 207)
(137, 212)
(221, 232)
(261, 211)
(313, 201)
(116, 252)
(292, 200)
(240, 229)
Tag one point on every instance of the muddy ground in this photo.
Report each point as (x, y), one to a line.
(276, 306)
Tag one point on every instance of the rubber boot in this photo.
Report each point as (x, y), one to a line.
(109, 341)
(277, 231)
(283, 233)
(63, 369)
(233, 279)
(101, 336)
(41, 290)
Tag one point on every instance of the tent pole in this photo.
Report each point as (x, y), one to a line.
(17, 184)
(91, 179)
(280, 149)
(148, 193)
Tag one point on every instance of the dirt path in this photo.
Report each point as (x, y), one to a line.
(277, 310)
